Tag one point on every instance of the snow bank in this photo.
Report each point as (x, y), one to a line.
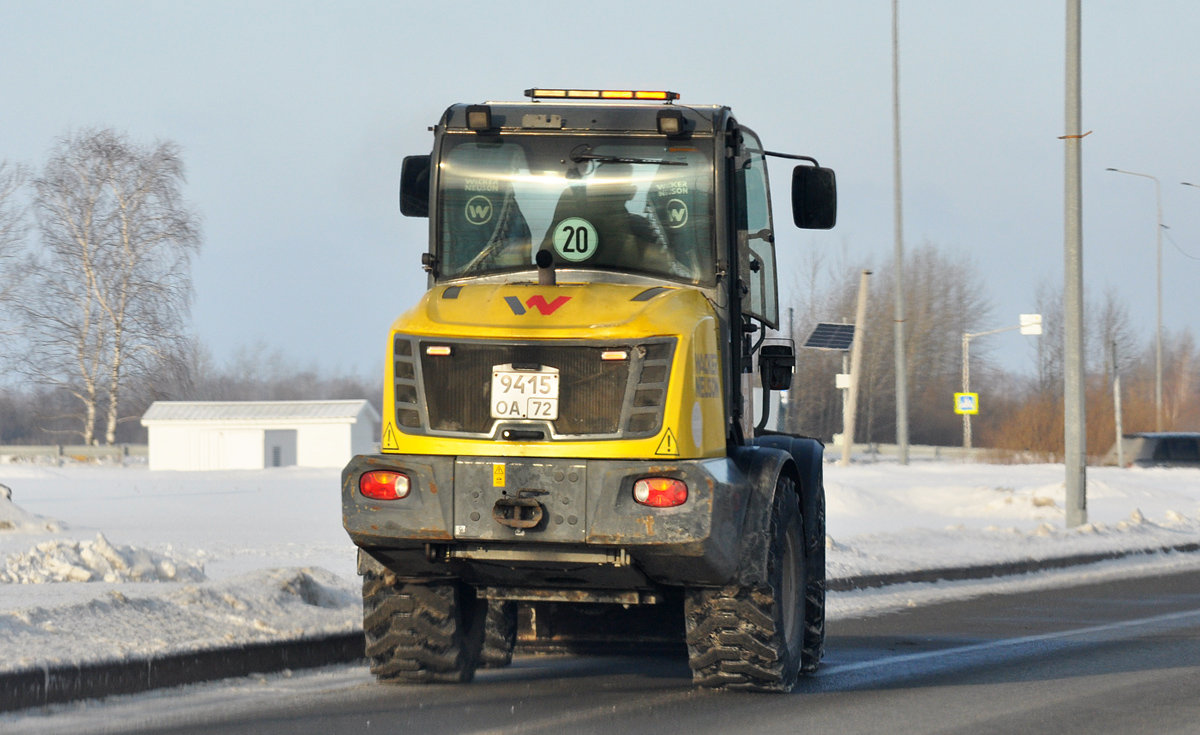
(92, 561)
(270, 604)
(14, 519)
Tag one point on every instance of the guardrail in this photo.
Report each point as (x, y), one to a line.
(84, 452)
(915, 451)
(73, 452)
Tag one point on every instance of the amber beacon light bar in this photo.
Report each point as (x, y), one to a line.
(601, 94)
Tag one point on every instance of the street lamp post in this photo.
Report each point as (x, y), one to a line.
(1158, 388)
(1030, 324)
(1074, 403)
(900, 346)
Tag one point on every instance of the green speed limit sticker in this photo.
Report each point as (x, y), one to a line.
(575, 239)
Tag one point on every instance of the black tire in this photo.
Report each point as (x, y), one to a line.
(430, 632)
(752, 637)
(499, 634)
(814, 590)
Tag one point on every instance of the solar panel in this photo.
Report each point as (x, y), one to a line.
(828, 336)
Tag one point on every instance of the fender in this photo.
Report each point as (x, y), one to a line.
(762, 467)
(808, 454)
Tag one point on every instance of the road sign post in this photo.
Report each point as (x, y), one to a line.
(1030, 324)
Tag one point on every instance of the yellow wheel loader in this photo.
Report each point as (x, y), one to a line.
(568, 459)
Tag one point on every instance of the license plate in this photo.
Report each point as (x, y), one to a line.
(524, 394)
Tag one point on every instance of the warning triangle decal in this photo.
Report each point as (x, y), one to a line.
(389, 439)
(668, 446)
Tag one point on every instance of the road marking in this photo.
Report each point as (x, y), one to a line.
(1012, 642)
(570, 718)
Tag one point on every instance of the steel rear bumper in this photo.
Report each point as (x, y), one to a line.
(591, 532)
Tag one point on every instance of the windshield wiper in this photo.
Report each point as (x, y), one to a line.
(587, 155)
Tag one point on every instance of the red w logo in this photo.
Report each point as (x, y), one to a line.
(536, 302)
(539, 302)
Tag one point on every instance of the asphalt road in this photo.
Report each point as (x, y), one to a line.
(1121, 657)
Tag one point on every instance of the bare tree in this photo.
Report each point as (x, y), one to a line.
(946, 297)
(1111, 323)
(1048, 301)
(12, 230)
(1182, 380)
(1108, 321)
(106, 298)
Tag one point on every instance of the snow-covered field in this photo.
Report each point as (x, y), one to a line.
(884, 517)
(109, 563)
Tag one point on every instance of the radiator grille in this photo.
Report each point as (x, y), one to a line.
(596, 397)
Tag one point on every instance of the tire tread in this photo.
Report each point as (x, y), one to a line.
(428, 632)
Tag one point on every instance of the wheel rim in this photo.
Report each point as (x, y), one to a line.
(788, 590)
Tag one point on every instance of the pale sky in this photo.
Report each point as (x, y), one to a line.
(294, 117)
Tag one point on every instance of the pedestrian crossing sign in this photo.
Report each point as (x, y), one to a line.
(966, 403)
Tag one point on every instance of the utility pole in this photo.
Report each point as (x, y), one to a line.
(856, 351)
(901, 357)
(1117, 406)
(1074, 438)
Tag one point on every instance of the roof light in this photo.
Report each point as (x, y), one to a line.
(479, 117)
(608, 94)
(660, 492)
(656, 95)
(382, 485)
(614, 355)
(438, 350)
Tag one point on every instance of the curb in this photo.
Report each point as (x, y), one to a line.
(58, 684)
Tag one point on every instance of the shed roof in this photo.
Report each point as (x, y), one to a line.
(257, 410)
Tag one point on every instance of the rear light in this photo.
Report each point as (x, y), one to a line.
(660, 492)
(383, 485)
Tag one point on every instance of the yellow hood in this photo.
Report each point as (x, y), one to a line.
(542, 312)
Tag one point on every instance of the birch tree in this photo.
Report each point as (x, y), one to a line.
(108, 293)
(12, 231)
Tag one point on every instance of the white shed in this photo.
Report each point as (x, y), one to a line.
(252, 435)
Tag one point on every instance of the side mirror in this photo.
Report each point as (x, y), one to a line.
(776, 364)
(414, 186)
(814, 197)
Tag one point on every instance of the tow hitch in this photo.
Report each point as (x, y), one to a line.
(521, 512)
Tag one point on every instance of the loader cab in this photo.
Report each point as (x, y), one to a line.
(615, 188)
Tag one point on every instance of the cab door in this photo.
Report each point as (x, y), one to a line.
(755, 232)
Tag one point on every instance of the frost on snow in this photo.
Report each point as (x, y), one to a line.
(95, 561)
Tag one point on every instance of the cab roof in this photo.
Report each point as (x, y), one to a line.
(590, 116)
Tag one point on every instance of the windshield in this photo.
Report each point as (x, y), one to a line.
(619, 204)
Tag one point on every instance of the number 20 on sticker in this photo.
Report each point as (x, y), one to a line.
(575, 239)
